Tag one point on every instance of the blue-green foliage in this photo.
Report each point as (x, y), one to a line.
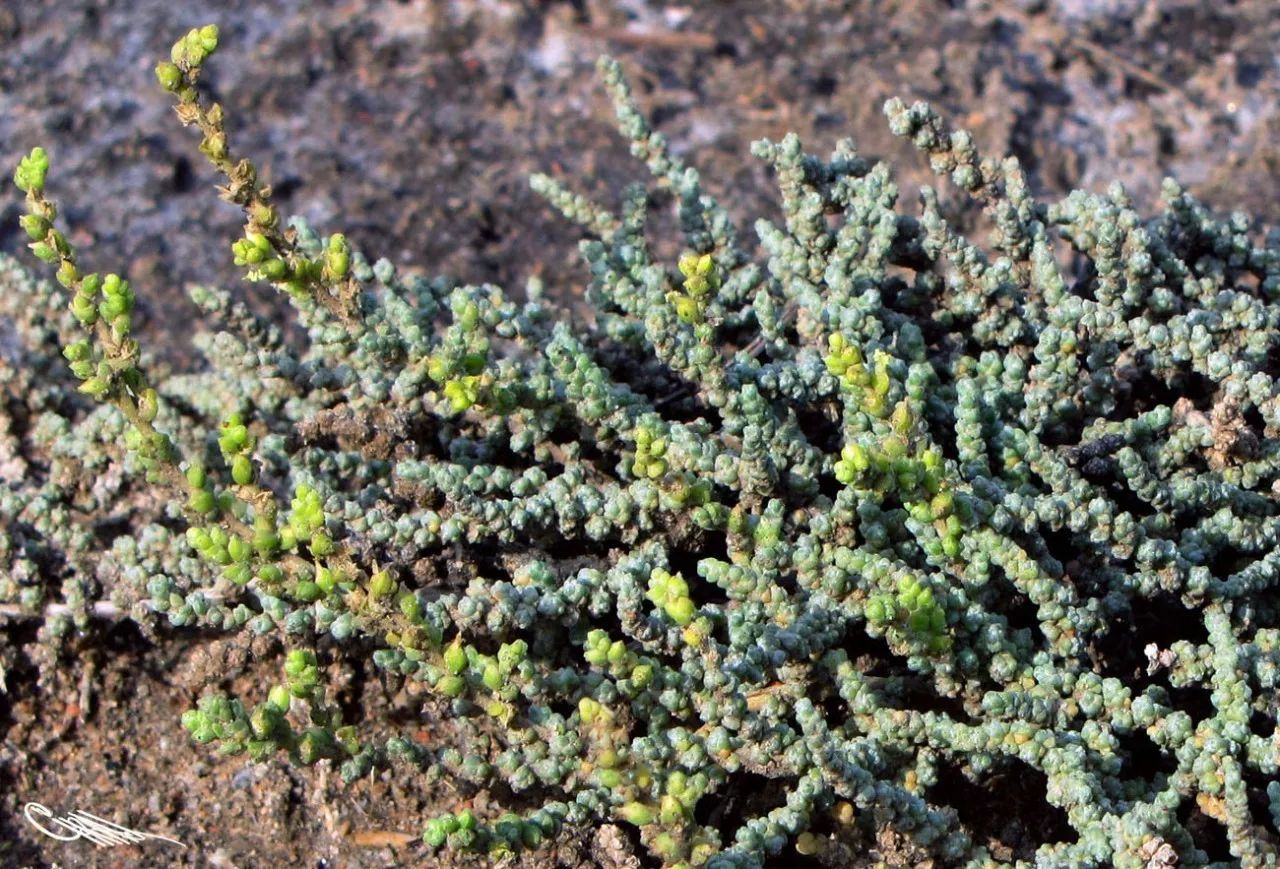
(879, 506)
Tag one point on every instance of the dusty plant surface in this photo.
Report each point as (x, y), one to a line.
(413, 126)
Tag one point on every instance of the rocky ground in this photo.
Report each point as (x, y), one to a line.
(413, 127)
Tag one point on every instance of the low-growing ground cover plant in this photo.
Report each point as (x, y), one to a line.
(867, 527)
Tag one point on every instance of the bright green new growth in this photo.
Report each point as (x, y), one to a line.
(886, 511)
(700, 282)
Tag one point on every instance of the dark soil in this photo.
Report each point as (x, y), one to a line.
(412, 126)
